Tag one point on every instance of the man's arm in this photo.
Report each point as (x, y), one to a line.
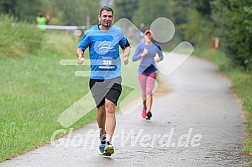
(126, 53)
(84, 43)
(124, 43)
(80, 55)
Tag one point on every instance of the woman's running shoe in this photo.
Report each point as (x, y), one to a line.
(143, 113)
(148, 115)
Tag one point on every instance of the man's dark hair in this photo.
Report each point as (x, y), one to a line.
(107, 9)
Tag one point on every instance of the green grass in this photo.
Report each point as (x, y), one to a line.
(35, 89)
(241, 85)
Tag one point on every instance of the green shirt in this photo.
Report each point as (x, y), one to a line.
(41, 22)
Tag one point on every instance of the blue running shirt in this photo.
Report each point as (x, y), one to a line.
(104, 51)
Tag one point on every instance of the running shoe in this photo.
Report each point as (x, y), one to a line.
(148, 115)
(143, 113)
(109, 149)
(102, 144)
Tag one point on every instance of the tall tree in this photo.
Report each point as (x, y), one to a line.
(233, 23)
(125, 9)
(8, 6)
(203, 7)
(150, 10)
(180, 15)
(193, 21)
(21, 10)
(76, 12)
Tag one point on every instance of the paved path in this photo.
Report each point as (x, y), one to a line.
(198, 122)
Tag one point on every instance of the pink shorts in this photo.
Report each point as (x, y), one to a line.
(147, 82)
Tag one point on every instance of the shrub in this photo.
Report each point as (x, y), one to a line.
(18, 39)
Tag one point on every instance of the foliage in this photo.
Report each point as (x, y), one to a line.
(203, 7)
(181, 8)
(76, 12)
(18, 39)
(197, 31)
(151, 10)
(25, 9)
(232, 18)
(63, 12)
(126, 9)
(198, 20)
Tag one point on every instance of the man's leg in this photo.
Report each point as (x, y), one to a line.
(98, 94)
(110, 122)
(111, 98)
(100, 118)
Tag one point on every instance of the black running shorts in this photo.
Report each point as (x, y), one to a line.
(110, 89)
